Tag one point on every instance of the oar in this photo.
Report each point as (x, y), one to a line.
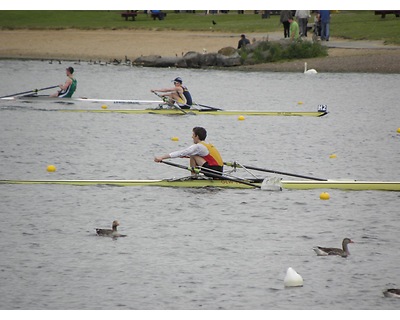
(234, 164)
(175, 105)
(203, 105)
(211, 174)
(26, 92)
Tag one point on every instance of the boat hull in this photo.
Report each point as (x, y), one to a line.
(42, 99)
(214, 112)
(204, 112)
(343, 185)
(174, 183)
(201, 183)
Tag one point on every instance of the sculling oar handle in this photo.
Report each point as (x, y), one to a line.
(236, 165)
(211, 173)
(191, 169)
(175, 105)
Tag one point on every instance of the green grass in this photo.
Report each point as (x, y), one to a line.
(364, 25)
(113, 20)
(347, 24)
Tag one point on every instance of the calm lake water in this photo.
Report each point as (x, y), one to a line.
(197, 249)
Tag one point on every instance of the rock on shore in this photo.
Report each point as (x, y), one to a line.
(226, 57)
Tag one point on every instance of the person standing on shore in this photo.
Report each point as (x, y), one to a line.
(294, 30)
(243, 42)
(284, 19)
(325, 18)
(302, 18)
(69, 87)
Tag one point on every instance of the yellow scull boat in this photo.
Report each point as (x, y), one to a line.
(203, 112)
(189, 182)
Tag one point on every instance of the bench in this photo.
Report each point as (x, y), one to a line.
(130, 13)
(384, 13)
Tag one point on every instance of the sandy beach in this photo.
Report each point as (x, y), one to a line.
(106, 45)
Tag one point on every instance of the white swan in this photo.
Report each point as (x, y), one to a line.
(310, 71)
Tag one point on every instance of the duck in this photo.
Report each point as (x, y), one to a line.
(309, 71)
(321, 251)
(110, 232)
(392, 293)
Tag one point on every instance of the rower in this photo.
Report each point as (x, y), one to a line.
(69, 87)
(179, 94)
(201, 154)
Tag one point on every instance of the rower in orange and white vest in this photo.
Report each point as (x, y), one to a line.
(201, 154)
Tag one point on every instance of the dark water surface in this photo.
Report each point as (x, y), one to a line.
(197, 249)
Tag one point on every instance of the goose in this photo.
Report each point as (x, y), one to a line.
(110, 232)
(128, 62)
(309, 71)
(392, 293)
(321, 251)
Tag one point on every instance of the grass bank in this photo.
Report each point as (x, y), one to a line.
(358, 25)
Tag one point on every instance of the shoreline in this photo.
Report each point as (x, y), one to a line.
(107, 45)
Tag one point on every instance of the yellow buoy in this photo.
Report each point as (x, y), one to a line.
(104, 106)
(175, 139)
(398, 130)
(332, 156)
(300, 102)
(324, 196)
(51, 168)
(241, 118)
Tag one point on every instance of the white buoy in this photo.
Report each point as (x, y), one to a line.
(292, 278)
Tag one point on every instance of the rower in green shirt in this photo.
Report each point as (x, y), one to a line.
(69, 87)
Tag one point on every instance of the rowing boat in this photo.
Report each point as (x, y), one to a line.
(39, 98)
(161, 111)
(343, 185)
(189, 182)
(204, 112)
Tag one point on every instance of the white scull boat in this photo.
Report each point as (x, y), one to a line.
(38, 98)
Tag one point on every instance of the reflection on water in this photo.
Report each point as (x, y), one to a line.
(197, 249)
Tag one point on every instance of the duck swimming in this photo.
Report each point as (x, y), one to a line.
(110, 232)
(321, 251)
(392, 293)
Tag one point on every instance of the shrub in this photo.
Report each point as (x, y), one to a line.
(272, 51)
